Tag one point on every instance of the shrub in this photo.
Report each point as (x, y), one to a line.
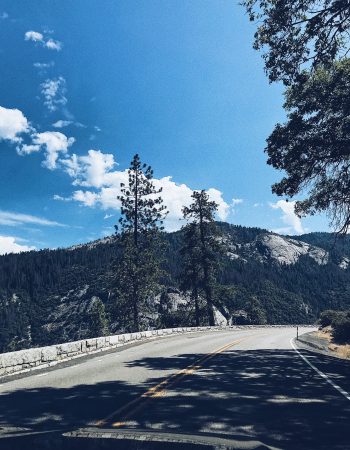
(341, 327)
(328, 316)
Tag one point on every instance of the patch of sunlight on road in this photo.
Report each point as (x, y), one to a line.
(285, 399)
(250, 374)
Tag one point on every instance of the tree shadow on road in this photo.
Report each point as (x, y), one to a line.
(268, 396)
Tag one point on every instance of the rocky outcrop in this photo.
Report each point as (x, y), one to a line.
(286, 251)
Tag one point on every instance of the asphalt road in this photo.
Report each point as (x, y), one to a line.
(237, 389)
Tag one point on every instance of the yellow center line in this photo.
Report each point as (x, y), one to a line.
(159, 390)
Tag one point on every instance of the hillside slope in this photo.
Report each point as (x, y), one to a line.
(48, 296)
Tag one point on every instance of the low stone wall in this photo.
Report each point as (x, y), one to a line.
(37, 358)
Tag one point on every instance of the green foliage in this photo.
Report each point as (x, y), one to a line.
(341, 327)
(142, 209)
(97, 319)
(340, 322)
(256, 312)
(312, 147)
(307, 43)
(299, 33)
(201, 250)
(327, 317)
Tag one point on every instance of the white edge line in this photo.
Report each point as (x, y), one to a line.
(321, 374)
(42, 374)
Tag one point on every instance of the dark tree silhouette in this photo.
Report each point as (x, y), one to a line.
(141, 221)
(299, 34)
(202, 247)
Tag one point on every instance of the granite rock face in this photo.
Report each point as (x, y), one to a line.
(288, 251)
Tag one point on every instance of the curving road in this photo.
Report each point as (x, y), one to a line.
(234, 389)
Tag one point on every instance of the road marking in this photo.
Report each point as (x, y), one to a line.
(321, 374)
(42, 374)
(159, 390)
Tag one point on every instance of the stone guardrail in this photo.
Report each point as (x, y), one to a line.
(37, 358)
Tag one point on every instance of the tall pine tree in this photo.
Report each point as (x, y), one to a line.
(142, 214)
(192, 268)
(202, 248)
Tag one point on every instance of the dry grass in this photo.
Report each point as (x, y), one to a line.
(341, 350)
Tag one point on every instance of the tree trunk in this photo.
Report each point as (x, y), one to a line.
(207, 287)
(196, 305)
(136, 310)
(209, 297)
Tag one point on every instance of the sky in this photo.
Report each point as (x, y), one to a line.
(86, 84)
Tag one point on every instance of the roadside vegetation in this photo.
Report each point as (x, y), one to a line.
(339, 322)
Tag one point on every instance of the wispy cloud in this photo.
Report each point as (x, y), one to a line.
(66, 123)
(62, 123)
(53, 45)
(54, 92)
(37, 37)
(4, 15)
(55, 144)
(15, 219)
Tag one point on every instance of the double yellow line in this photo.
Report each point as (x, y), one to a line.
(127, 411)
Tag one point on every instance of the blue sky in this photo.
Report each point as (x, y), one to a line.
(85, 84)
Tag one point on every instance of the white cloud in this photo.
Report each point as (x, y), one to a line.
(234, 203)
(223, 208)
(62, 199)
(52, 44)
(4, 15)
(65, 123)
(8, 244)
(54, 143)
(28, 149)
(62, 123)
(43, 66)
(86, 197)
(54, 93)
(108, 216)
(289, 217)
(92, 170)
(95, 171)
(36, 36)
(14, 219)
(12, 124)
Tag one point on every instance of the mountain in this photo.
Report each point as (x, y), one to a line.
(52, 296)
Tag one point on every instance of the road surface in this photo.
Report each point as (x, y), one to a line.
(234, 389)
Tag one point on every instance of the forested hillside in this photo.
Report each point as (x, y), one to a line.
(52, 296)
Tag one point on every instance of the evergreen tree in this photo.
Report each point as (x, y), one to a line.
(202, 246)
(142, 217)
(192, 268)
(296, 34)
(256, 312)
(97, 318)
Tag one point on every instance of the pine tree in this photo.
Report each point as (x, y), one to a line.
(142, 215)
(192, 270)
(97, 318)
(203, 246)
